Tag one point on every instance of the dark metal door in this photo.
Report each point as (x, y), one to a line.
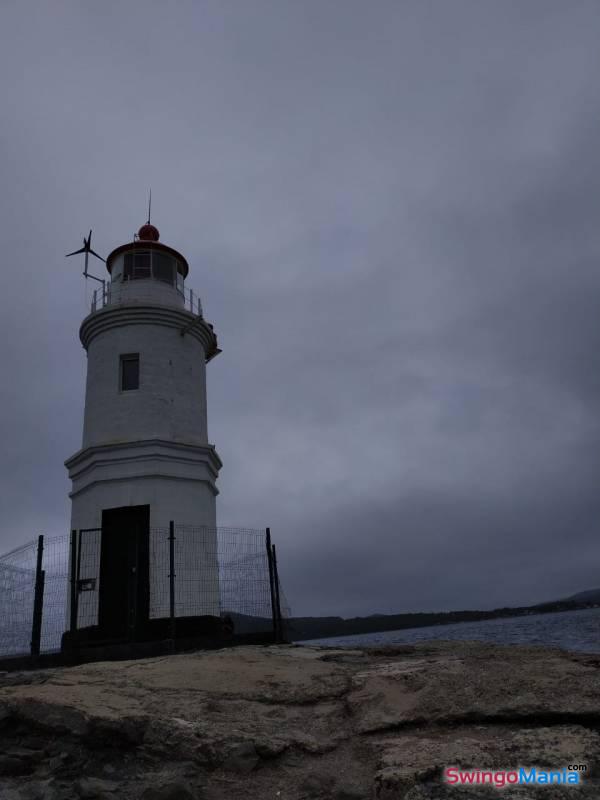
(123, 602)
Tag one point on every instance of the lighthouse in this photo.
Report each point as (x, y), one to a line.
(145, 458)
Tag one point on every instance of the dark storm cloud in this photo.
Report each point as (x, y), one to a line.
(391, 212)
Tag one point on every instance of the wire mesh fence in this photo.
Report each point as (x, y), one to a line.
(17, 589)
(56, 581)
(18, 578)
(191, 573)
(224, 568)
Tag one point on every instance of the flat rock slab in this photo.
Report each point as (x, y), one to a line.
(412, 759)
(474, 681)
(296, 722)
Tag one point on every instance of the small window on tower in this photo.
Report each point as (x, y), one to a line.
(130, 372)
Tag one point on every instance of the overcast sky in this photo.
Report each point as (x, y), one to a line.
(391, 211)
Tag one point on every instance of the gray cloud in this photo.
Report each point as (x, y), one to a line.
(390, 211)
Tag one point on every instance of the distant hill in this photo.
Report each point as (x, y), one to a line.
(591, 596)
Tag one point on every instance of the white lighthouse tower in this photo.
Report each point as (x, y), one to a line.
(145, 458)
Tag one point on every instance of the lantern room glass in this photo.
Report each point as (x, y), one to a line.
(147, 265)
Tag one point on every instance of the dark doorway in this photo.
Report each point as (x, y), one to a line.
(124, 592)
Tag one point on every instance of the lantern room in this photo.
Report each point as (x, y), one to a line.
(147, 269)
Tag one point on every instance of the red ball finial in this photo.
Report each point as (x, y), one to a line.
(148, 233)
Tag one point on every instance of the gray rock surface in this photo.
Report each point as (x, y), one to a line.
(293, 722)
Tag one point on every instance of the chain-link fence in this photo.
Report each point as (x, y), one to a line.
(179, 581)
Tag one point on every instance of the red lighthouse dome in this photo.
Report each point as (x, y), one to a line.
(148, 233)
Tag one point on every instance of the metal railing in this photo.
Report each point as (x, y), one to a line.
(52, 586)
(102, 296)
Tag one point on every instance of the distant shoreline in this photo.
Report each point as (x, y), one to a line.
(302, 628)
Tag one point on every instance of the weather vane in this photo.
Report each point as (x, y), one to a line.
(87, 249)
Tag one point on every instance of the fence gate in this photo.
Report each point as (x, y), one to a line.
(85, 574)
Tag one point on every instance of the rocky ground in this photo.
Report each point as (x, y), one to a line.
(291, 722)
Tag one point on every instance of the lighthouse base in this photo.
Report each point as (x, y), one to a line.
(124, 497)
(161, 636)
(200, 631)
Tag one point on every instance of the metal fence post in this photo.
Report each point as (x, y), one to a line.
(272, 584)
(73, 605)
(277, 601)
(172, 579)
(38, 600)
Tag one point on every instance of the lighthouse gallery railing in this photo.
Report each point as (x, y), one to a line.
(103, 296)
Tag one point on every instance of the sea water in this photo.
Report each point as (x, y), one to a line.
(568, 630)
